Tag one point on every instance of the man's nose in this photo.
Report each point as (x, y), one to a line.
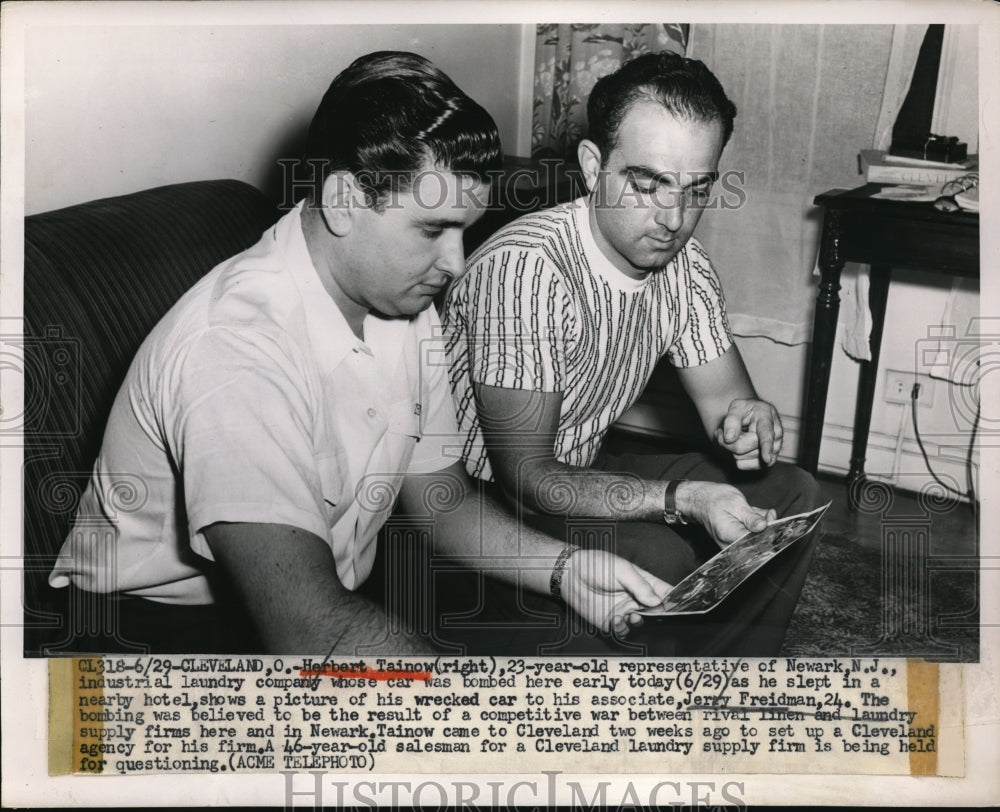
(452, 258)
(670, 213)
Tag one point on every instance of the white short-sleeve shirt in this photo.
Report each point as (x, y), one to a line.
(252, 401)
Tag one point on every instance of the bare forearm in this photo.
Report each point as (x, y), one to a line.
(480, 532)
(366, 631)
(712, 387)
(520, 430)
(553, 487)
(288, 585)
(333, 620)
(483, 534)
(564, 490)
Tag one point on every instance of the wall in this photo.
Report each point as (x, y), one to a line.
(115, 109)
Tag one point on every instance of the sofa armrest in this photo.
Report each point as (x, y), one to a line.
(97, 278)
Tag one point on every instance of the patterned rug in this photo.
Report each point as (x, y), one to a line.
(854, 605)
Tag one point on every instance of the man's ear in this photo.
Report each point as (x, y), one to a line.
(339, 193)
(589, 157)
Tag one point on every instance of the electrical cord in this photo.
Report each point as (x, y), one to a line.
(969, 478)
(898, 453)
(971, 494)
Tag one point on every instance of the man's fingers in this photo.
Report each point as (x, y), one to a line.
(751, 426)
(635, 620)
(743, 444)
(754, 519)
(732, 426)
(614, 590)
(765, 434)
(645, 587)
(623, 617)
(626, 622)
(779, 430)
(732, 525)
(777, 433)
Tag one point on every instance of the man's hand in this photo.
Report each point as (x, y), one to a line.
(752, 432)
(722, 510)
(607, 591)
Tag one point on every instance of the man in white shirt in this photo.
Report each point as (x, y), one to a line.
(561, 320)
(279, 412)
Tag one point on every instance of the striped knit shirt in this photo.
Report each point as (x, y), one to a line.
(542, 309)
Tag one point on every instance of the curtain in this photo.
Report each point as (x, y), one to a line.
(855, 316)
(808, 99)
(569, 59)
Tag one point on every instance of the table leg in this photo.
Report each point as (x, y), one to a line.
(824, 333)
(878, 294)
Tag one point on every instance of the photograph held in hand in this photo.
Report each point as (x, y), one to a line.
(711, 583)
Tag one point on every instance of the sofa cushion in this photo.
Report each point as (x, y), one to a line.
(97, 278)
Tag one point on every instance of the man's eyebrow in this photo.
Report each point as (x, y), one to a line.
(440, 222)
(647, 172)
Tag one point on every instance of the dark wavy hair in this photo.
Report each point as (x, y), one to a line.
(391, 113)
(685, 87)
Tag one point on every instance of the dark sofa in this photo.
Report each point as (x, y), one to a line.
(97, 278)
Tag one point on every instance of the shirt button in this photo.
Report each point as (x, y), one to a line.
(371, 412)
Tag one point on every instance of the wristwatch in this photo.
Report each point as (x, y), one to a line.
(671, 515)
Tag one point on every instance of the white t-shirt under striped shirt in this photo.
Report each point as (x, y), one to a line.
(542, 309)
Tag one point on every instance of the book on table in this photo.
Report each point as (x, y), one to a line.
(879, 167)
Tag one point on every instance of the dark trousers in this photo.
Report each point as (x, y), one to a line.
(474, 613)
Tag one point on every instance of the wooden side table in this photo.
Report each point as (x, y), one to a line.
(884, 234)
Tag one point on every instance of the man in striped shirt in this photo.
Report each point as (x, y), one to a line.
(558, 325)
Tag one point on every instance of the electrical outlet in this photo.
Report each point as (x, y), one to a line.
(899, 385)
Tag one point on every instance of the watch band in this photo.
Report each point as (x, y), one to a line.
(555, 581)
(671, 515)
